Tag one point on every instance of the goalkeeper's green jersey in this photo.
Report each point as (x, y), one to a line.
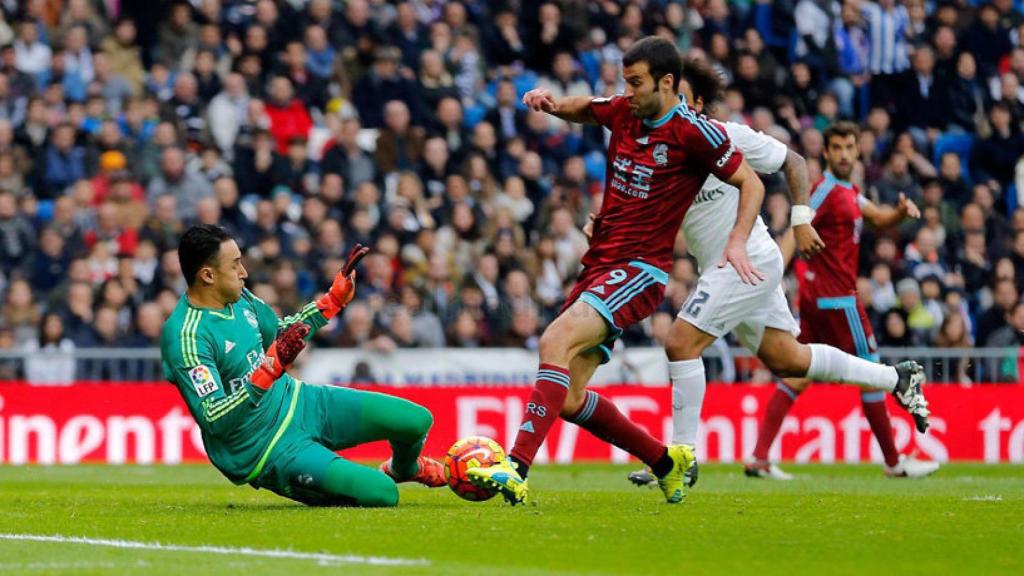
(210, 356)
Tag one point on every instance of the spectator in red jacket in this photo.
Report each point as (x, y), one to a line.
(288, 115)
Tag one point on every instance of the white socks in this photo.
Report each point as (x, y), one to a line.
(688, 385)
(830, 364)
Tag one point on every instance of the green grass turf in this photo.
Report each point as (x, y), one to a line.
(968, 519)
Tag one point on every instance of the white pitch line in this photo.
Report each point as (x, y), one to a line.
(224, 550)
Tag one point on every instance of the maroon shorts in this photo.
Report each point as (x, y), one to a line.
(839, 322)
(623, 294)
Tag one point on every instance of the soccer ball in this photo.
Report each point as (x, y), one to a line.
(471, 452)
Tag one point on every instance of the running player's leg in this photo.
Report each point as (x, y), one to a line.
(786, 393)
(581, 370)
(844, 356)
(577, 329)
(602, 301)
(316, 476)
(873, 401)
(599, 416)
(813, 325)
(352, 417)
(788, 358)
(623, 297)
(720, 303)
(684, 346)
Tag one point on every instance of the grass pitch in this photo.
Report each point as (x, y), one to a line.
(968, 519)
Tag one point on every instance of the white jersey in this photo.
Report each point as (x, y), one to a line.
(713, 214)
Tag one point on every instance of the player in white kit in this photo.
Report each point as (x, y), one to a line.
(756, 312)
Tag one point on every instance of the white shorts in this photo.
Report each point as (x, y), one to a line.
(722, 303)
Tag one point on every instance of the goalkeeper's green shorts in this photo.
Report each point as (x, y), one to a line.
(302, 464)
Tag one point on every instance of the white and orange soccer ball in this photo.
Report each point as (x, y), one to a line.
(471, 452)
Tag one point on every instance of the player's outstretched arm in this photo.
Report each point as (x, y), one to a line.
(885, 216)
(751, 197)
(317, 313)
(343, 289)
(806, 237)
(571, 108)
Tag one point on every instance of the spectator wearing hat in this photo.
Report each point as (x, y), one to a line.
(113, 166)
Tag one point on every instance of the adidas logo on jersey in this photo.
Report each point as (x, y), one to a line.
(598, 289)
(643, 140)
(228, 346)
(527, 427)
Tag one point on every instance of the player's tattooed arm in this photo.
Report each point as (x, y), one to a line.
(806, 237)
(571, 108)
(885, 216)
(795, 169)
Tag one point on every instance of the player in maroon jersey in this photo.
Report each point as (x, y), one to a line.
(829, 310)
(659, 155)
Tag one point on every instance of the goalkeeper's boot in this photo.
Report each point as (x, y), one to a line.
(765, 469)
(908, 393)
(910, 467)
(671, 484)
(644, 477)
(430, 472)
(501, 477)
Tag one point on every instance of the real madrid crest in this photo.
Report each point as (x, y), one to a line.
(251, 318)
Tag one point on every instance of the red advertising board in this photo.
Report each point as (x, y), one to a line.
(148, 423)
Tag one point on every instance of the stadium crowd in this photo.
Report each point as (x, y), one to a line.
(305, 126)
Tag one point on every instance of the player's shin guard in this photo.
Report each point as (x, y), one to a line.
(542, 409)
(830, 364)
(601, 418)
(688, 385)
(774, 413)
(878, 417)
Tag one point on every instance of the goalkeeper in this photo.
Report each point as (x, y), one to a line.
(228, 353)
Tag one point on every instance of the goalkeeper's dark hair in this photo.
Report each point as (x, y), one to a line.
(199, 246)
(842, 130)
(661, 56)
(704, 81)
